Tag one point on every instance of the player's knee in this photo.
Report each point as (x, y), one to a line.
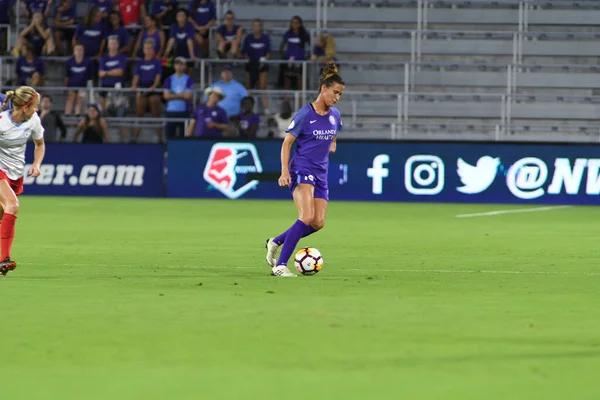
(318, 224)
(11, 207)
(308, 217)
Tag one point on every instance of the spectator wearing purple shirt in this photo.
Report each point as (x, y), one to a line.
(32, 6)
(164, 11)
(6, 15)
(65, 16)
(257, 49)
(30, 69)
(181, 36)
(151, 31)
(209, 120)
(293, 48)
(229, 37)
(38, 35)
(203, 16)
(104, 7)
(314, 129)
(78, 72)
(249, 120)
(116, 28)
(111, 74)
(147, 75)
(90, 32)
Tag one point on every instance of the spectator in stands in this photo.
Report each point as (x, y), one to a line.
(229, 37)
(78, 72)
(249, 120)
(51, 121)
(30, 69)
(178, 94)
(116, 28)
(66, 15)
(93, 127)
(30, 7)
(6, 14)
(147, 75)
(278, 125)
(234, 93)
(38, 35)
(104, 7)
(164, 11)
(257, 49)
(151, 31)
(209, 120)
(182, 36)
(324, 50)
(111, 74)
(132, 11)
(293, 48)
(90, 32)
(203, 16)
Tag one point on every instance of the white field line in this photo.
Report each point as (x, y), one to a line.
(518, 210)
(365, 270)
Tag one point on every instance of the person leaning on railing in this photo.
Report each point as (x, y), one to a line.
(203, 15)
(177, 91)
(92, 128)
(147, 75)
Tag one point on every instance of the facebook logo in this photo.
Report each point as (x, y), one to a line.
(377, 172)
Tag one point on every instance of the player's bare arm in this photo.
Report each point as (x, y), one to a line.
(286, 148)
(333, 145)
(38, 157)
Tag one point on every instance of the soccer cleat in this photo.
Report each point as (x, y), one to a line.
(7, 265)
(271, 247)
(282, 270)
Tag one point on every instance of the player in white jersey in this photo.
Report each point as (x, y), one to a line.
(16, 127)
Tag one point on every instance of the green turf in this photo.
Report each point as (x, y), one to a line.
(166, 299)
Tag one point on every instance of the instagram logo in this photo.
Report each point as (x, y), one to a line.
(424, 175)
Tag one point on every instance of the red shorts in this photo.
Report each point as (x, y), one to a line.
(15, 185)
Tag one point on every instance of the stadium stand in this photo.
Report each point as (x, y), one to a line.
(452, 69)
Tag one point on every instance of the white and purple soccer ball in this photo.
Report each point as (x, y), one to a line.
(308, 261)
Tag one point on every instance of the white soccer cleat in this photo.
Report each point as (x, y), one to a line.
(271, 252)
(282, 270)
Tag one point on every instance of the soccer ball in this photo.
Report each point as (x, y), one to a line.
(308, 261)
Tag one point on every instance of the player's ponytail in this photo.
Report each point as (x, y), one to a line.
(330, 75)
(9, 96)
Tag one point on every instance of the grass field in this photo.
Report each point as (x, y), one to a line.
(172, 299)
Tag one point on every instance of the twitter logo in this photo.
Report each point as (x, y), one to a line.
(477, 178)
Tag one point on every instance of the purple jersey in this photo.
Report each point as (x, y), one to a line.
(103, 5)
(147, 71)
(228, 34)
(246, 121)
(36, 5)
(296, 46)
(70, 13)
(91, 38)
(79, 73)
(122, 34)
(203, 115)
(314, 134)
(108, 63)
(181, 36)
(256, 48)
(203, 13)
(154, 36)
(26, 69)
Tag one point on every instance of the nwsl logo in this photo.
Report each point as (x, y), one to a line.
(227, 165)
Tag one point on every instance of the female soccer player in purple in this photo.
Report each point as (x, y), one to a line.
(314, 129)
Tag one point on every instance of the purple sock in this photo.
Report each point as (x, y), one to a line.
(292, 237)
(281, 238)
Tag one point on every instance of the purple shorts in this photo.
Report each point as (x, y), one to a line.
(321, 188)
